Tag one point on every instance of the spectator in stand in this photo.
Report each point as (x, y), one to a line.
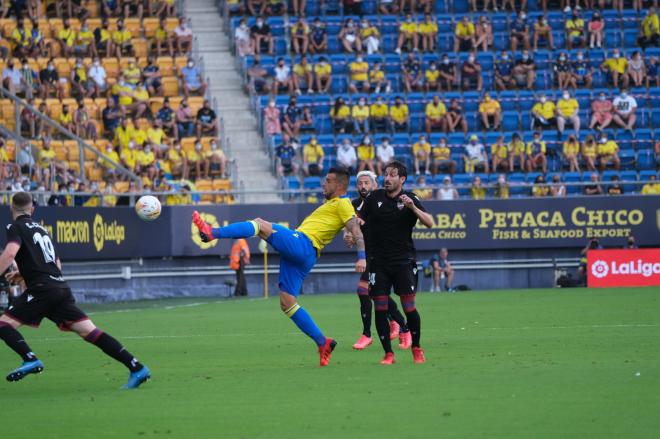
(313, 158)
(432, 78)
(625, 108)
(581, 71)
(436, 115)
(156, 136)
(408, 35)
(589, 153)
(377, 79)
(615, 188)
(471, 73)
(379, 116)
(163, 39)
(447, 192)
(650, 29)
(153, 78)
(272, 119)
(388, 7)
(97, 83)
(421, 152)
(257, 77)
(636, 69)
(283, 79)
(475, 155)
(83, 122)
(8, 168)
(652, 187)
(133, 8)
(501, 188)
(275, 7)
(29, 119)
(570, 151)
(185, 122)
(465, 35)
(504, 72)
(215, 160)
(66, 119)
(399, 115)
(455, 117)
(346, 156)
(318, 39)
(657, 154)
(262, 36)
(557, 188)
(520, 32)
(191, 79)
(340, 113)
(413, 75)
(206, 121)
(568, 111)
(29, 80)
(85, 43)
(292, 118)
(536, 154)
(195, 158)
(103, 39)
(358, 75)
(300, 36)
(366, 154)
(122, 40)
(168, 117)
(477, 191)
(601, 112)
(146, 161)
(384, 154)
(442, 162)
(111, 116)
(42, 128)
(369, 36)
(500, 155)
(360, 115)
(491, 113)
(178, 161)
(422, 189)
(256, 7)
(243, 40)
(563, 72)
(448, 74)
(594, 188)
(299, 7)
(66, 37)
(524, 72)
(484, 31)
(183, 37)
(540, 188)
(349, 37)
(543, 113)
(12, 79)
(25, 159)
(166, 8)
(303, 76)
(323, 75)
(616, 66)
(608, 153)
(576, 34)
(596, 30)
(428, 33)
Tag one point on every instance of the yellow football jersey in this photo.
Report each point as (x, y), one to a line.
(327, 220)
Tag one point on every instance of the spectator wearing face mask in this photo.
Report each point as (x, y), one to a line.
(282, 79)
(464, 35)
(596, 29)
(349, 37)
(570, 152)
(475, 156)
(563, 72)
(471, 73)
(185, 121)
(195, 158)
(625, 108)
(346, 156)
(543, 113)
(601, 112)
(191, 78)
(366, 154)
(575, 31)
(616, 66)
(581, 71)
(435, 115)
(501, 188)
(421, 152)
(447, 191)
(536, 154)
(378, 80)
(524, 72)
(313, 158)
(540, 188)
(608, 153)
(441, 158)
(340, 114)
(358, 75)
(567, 111)
(323, 75)
(490, 112)
(500, 155)
(399, 115)
(408, 35)
(448, 74)
(272, 117)
(183, 37)
(360, 116)
(379, 116)
(520, 32)
(262, 36)
(370, 36)
(413, 74)
(384, 154)
(318, 38)
(557, 188)
(303, 76)
(504, 72)
(50, 81)
(292, 118)
(428, 33)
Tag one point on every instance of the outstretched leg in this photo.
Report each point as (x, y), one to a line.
(16, 342)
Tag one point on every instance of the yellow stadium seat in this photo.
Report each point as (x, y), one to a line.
(140, 47)
(175, 102)
(94, 23)
(180, 62)
(74, 166)
(60, 150)
(121, 186)
(8, 26)
(205, 185)
(101, 144)
(43, 62)
(221, 184)
(72, 150)
(94, 173)
(10, 146)
(63, 67)
(170, 86)
(111, 66)
(188, 143)
(171, 23)
(133, 25)
(150, 24)
(56, 25)
(155, 103)
(54, 107)
(166, 65)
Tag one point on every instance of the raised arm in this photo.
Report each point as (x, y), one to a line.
(425, 217)
(353, 227)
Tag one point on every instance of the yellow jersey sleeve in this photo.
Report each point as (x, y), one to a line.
(326, 221)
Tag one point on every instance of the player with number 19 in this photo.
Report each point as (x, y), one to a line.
(47, 295)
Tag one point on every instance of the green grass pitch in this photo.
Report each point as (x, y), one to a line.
(501, 364)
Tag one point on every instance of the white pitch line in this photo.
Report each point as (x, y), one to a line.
(628, 325)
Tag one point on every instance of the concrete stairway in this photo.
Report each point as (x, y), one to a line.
(233, 104)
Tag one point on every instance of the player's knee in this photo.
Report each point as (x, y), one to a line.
(381, 303)
(363, 288)
(84, 328)
(408, 303)
(287, 302)
(5, 320)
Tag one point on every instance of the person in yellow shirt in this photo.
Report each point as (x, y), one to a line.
(85, 43)
(156, 135)
(441, 155)
(652, 187)
(300, 248)
(370, 36)
(540, 188)
(408, 35)
(195, 158)
(109, 169)
(399, 115)
(616, 67)
(300, 36)
(129, 156)
(139, 133)
(123, 93)
(543, 113)
(366, 154)
(378, 80)
(432, 78)
(589, 152)
(67, 38)
(360, 115)
(216, 160)
(650, 30)
(132, 74)
(140, 105)
(20, 40)
(122, 40)
(104, 43)
(379, 112)
(567, 111)
(517, 149)
(66, 119)
(428, 31)
(536, 150)
(421, 152)
(303, 76)
(340, 114)
(608, 152)
(323, 75)
(436, 115)
(163, 39)
(477, 191)
(177, 161)
(124, 133)
(358, 74)
(146, 162)
(491, 112)
(500, 155)
(313, 158)
(464, 35)
(570, 151)
(576, 34)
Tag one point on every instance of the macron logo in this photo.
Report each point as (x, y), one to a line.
(380, 203)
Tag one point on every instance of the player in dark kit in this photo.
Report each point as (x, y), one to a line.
(47, 295)
(390, 215)
(366, 183)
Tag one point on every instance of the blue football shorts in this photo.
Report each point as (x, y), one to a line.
(297, 257)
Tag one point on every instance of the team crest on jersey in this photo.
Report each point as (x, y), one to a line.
(400, 205)
(380, 203)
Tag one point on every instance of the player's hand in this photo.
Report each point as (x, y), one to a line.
(349, 240)
(360, 266)
(407, 201)
(14, 277)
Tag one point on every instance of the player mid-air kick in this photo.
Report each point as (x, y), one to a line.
(47, 295)
(300, 248)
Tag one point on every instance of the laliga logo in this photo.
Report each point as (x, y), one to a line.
(110, 232)
(600, 269)
(213, 221)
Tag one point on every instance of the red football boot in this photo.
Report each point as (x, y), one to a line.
(363, 342)
(325, 351)
(394, 329)
(205, 230)
(405, 340)
(388, 359)
(418, 355)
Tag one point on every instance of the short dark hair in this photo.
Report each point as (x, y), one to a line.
(343, 176)
(21, 200)
(399, 166)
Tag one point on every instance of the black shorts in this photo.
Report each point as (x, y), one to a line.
(364, 276)
(56, 304)
(403, 278)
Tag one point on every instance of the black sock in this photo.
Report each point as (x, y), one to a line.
(394, 314)
(383, 328)
(15, 341)
(365, 312)
(415, 325)
(113, 349)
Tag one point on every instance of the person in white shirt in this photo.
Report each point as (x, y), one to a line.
(384, 155)
(447, 191)
(475, 155)
(98, 75)
(244, 43)
(346, 156)
(282, 77)
(183, 36)
(11, 77)
(625, 107)
(557, 188)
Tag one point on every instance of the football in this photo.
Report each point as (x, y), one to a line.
(148, 207)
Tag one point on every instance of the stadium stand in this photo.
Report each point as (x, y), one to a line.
(559, 69)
